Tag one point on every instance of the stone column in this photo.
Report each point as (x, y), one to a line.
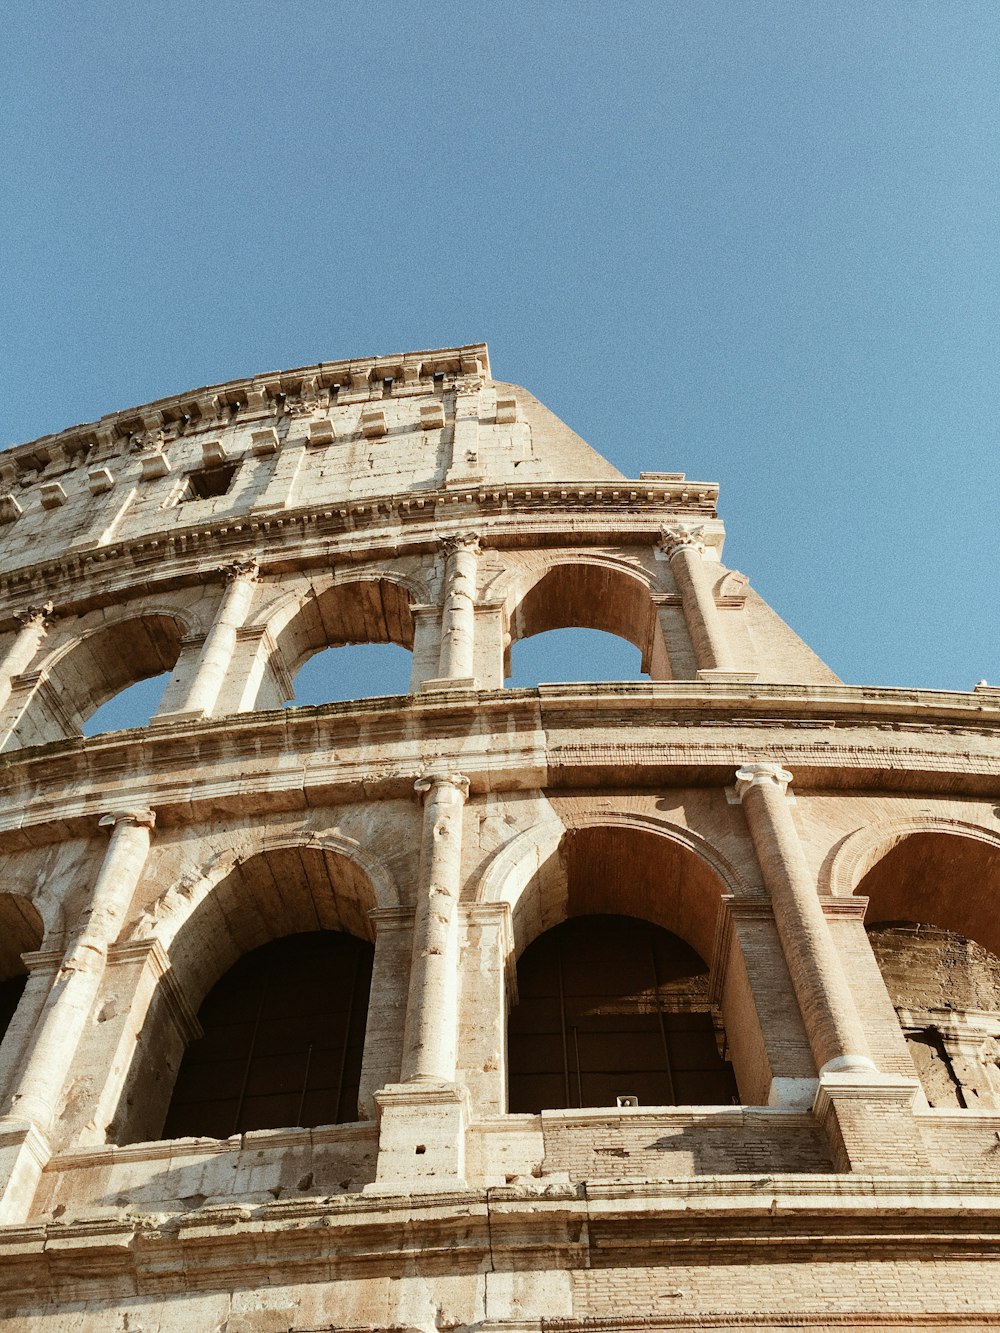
(431, 1012)
(825, 1000)
(220, 644)
(685, 548)
(38, 1088)
(34, 623)
(424, 1118)
(456, 664)
(867, 1115)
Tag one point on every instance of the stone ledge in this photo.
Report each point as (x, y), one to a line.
(632, 1224)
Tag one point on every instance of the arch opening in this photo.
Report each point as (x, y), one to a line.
(95, 669)
(932, 924)
(21, 932)
(588, 595)
(306, 892)
(613, 930)
(366, 610)
(353, 671)
(284, 1033)
(131, 707)
(573, 655)
(612, 1007)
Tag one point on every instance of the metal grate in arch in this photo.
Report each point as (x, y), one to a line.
(613, 1006)
(284, 1037)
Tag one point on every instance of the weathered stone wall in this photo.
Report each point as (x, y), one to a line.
(741, 798)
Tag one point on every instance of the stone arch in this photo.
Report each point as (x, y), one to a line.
(22, 929)
(37, 902)
(932, 886)
(588, 592)
(86, 670)
(284, 886)
(531, 874)
(945, 872)
(596, 873)
(360, 606)
(174, 910)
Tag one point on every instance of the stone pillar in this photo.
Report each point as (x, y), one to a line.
(431, 1013)
(835, 1033)
(383, 1054)
(38, 1088)
(867, 1115)
(33, 623)
(40, 1084)
(685, 548)
(456, 664)
(426, 644)
(423, 1119)
(220, 644)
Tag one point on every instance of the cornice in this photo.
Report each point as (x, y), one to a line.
(537, 514)
(631, 1224)
(626, 735)
(250, 393)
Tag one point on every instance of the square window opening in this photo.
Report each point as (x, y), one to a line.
(208, 482)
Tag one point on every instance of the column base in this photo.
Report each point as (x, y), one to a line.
(438, 683)
(24, 1153)
(869, 1122)
(421, 1144)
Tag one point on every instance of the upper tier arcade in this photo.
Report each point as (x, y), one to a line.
(306, 509)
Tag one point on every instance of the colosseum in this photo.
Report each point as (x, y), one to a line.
(661, 1003)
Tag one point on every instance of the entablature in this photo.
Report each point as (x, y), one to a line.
(630, 735)
(511, 517)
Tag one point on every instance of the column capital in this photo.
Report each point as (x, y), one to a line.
(461, 541)
(142, 818)
(240, 569)
(34, 615)
(433, 782)
(761, 775)
(682, 536)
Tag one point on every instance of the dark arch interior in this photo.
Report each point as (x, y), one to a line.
(20, 932)
(284, 1033)
(613, 1006)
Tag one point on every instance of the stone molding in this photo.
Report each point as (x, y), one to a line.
(221, 1247)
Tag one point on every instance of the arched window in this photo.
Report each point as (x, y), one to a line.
(284, 1035)
(354, 671)
(573, 655)
(95, 669)
(609, 1007)
(349, 641)
(132, 707)
(933, 926)
(590, 595)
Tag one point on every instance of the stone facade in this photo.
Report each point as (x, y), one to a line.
(740, 798)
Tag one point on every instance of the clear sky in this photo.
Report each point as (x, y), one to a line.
(754, 240)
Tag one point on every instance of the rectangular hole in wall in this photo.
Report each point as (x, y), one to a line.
(208, 482)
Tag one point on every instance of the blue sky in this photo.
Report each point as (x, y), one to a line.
(753, 240)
